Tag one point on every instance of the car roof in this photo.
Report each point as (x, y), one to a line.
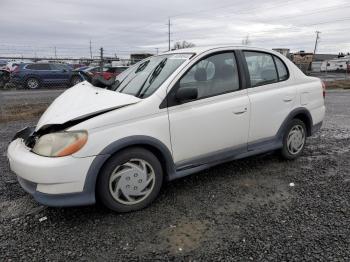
(202, 49)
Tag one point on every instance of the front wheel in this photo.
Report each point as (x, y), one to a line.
(294, 140)
(130, 180)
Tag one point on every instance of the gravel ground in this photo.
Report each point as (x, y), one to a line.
(260, 208)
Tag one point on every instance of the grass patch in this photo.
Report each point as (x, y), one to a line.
(343, 84)
(22, 112)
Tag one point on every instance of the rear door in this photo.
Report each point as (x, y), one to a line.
(60, 73)
(218, 120)
(272, 94)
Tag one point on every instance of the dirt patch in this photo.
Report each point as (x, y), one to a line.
(184, 237)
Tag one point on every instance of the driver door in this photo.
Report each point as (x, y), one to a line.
(218, 120)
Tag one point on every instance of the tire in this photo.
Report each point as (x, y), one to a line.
(32, 83)
(75, 80)
(294, 140)
(124, 175)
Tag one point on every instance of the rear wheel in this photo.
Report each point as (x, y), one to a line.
(294, 140)
(130, 180)
(32, 83)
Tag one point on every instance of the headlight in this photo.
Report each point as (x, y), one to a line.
(60, 143)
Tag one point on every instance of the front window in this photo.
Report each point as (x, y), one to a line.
(147, 76)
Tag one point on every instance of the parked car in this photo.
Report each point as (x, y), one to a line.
(3, 63)
(164, 118)
(4, 77)
(37, 75)
(11, 65)
(110, 72)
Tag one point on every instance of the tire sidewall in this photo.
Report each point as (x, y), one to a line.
(285, 152)
(102, 187)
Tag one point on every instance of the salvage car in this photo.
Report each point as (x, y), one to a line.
(164, 118)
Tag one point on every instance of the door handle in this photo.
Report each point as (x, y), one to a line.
(240, 111)
(287, 99)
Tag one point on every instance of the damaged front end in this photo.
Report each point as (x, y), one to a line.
(30, 136)
(78, 104)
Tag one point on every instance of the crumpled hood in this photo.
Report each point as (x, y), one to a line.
(81, 101)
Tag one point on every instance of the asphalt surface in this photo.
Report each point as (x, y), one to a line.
(256, 209)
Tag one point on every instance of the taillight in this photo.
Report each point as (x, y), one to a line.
(323, 89)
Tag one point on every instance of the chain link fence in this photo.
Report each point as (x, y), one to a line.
(58, 74)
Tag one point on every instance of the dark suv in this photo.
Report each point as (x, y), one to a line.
(37, 75)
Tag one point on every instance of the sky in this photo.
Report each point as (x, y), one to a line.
(38, 28)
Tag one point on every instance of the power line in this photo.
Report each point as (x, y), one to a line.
(90, 50)
(316, 42)
(169, 25)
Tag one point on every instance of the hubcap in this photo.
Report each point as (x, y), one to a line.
(33, 83)
(296, 139)
(132, 182)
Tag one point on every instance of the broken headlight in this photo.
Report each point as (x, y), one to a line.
(60, 143)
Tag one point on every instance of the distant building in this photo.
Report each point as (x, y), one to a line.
(303, 60)
(283, 51)
(134, 58)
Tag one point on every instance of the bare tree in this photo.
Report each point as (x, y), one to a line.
(183, 44)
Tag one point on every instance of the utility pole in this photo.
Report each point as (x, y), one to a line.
(90, 51)
(169, 24)
(316, 42)
(157, 50)
(55, 52)
(101, 58)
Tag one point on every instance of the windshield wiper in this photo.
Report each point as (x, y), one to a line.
(157, 70)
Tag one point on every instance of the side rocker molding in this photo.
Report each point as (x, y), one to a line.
(101, 158)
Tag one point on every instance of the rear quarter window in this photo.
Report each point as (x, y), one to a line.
(282, 70)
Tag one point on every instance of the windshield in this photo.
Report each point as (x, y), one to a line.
(144, 78)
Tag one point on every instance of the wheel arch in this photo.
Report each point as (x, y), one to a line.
(152, 144)
(300, 113)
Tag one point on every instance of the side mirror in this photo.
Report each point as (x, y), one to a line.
(184, 94)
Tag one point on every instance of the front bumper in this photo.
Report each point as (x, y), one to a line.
(51, 181)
